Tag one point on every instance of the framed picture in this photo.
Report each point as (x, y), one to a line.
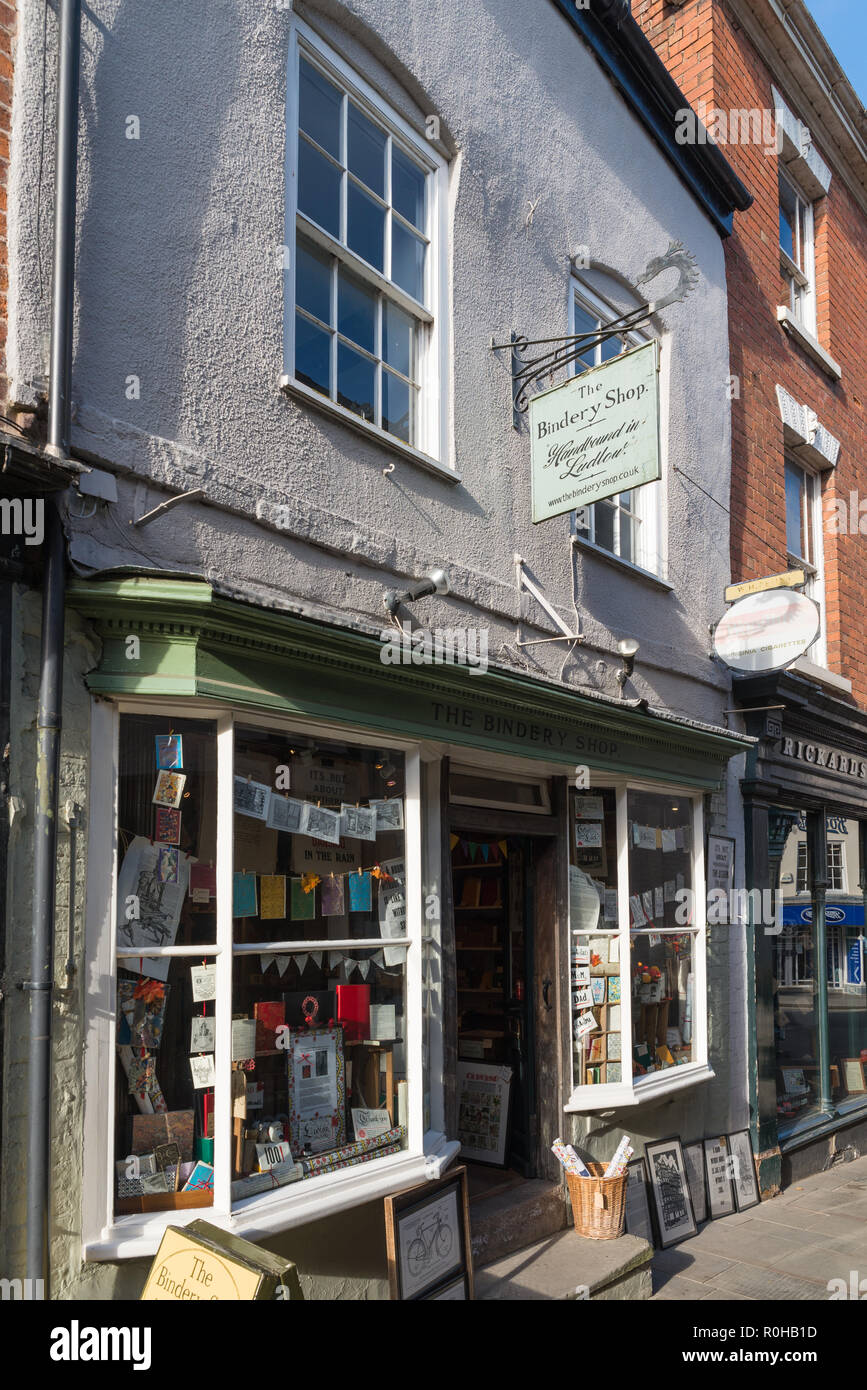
(638, 1220)
(316, 1089)
(427, 1237)
(693, 1155)
(720, 862)
(853, 1075)
(794, 1081)
(455, 1289)
(718, 1171)
(483, 1111)
(743, 1170)
(675, 1219)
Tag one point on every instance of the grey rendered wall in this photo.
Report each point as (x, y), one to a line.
(180, 283)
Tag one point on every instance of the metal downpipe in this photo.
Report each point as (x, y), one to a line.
(48, 723)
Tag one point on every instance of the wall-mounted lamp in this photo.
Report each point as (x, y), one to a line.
(627, 648)
(436, 582)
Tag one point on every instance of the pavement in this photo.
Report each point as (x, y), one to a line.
(788, 1247)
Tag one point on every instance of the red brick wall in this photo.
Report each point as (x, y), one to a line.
(700, 43)
(7, 39)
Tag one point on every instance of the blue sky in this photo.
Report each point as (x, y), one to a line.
(844, 24)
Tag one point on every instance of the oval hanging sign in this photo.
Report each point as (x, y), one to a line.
(765, 632)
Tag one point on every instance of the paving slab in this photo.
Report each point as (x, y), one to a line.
(693, 1264)
(757, 1283)
(816, 1264)
(680, 1290)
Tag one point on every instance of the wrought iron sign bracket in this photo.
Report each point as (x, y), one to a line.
(560, 352)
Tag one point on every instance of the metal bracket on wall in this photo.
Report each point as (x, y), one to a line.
(525, 582)
(561, 352)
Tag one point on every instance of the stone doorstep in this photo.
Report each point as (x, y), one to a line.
(509, 1221)
(564, 1265)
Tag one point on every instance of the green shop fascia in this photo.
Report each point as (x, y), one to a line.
(181, 651)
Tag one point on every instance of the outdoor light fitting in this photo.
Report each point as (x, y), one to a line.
(436, 582)
(627, 648)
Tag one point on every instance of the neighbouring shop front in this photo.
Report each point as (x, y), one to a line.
(805, 801)
(343, 914)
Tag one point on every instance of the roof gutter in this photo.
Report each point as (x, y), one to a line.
(632, 64)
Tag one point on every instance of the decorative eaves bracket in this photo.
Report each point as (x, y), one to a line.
(560, 352)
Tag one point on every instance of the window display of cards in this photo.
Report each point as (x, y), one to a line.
(662, 978)
(166, 814)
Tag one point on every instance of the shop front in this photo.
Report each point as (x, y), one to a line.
(345, 920)
(805, 799)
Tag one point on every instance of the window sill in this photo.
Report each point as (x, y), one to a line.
(587, 1098)
(626, 566)
(805, 339)
(290, 387)
(138, 1237)
(812, 671)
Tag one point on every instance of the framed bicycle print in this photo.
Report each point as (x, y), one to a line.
(427, 1236)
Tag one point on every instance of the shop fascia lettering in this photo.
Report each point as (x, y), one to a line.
(562, 739)
(828, 758)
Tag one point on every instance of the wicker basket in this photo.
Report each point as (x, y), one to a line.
(598, 1204)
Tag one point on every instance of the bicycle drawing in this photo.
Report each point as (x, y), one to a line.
(430, 1237)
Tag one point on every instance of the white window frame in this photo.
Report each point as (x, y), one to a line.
(647, 499)
(106, 1236)
(431, 315)
(801, 278)
(811, 512)
(636, 1090)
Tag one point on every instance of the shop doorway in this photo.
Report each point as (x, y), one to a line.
(497, 894)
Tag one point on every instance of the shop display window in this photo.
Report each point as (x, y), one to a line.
(809, 989)
(317, 1034)
(637, 932)
(300, 1046)
(165, 1027)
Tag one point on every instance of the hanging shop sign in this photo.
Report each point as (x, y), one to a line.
(597, 435)
(766, 631)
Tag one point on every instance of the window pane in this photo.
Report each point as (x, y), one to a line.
(626, 550)
(167, 798)
(796, 990)
(365, 230)
(366, 156)
(612, 347)
(595, 974)
(397, 339)
(319, 109)
(312, 355)
(397, 406)
(356, 382)
(659, 832)
(585, 323)
(662, 970)
(318, 188)
(311, 1022)
(356, 311)
(407, 260)
(794, 512)
(407, 187)
(604, 518)
(788, 219)
(313, 280)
